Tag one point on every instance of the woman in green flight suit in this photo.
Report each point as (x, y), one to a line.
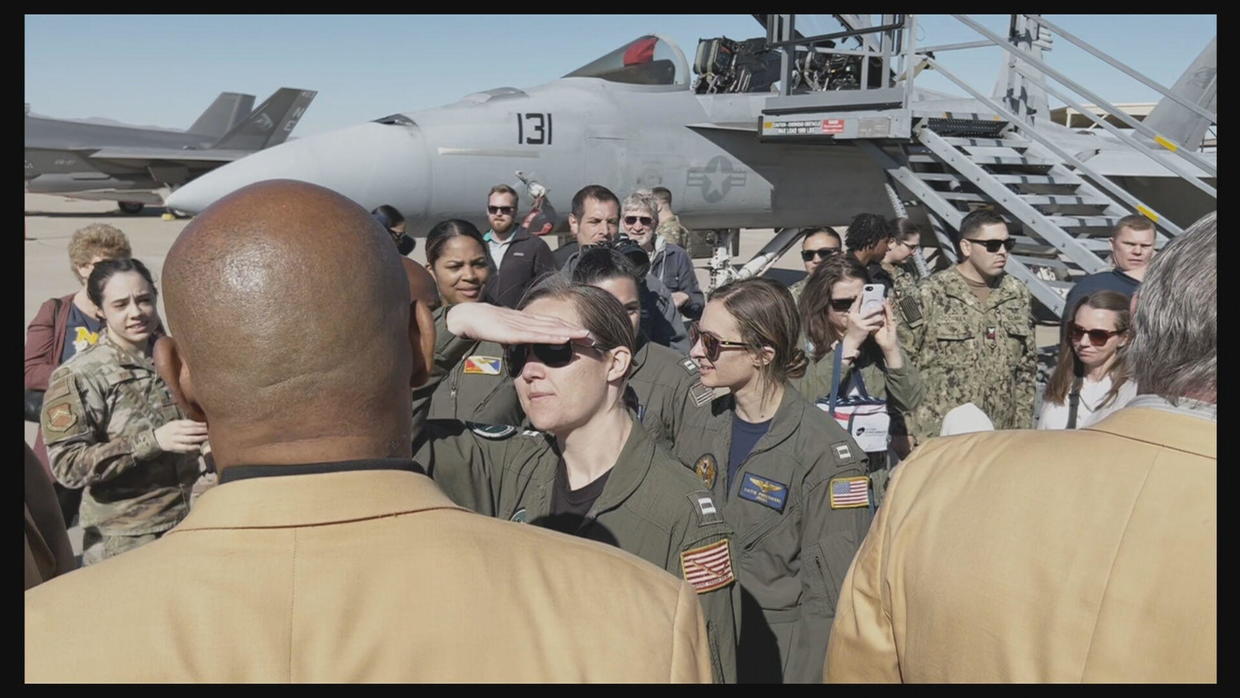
(791, 482)
(592, 470)
(476, 387)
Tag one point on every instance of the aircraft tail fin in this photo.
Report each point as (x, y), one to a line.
(228, 110)
(1198, 85)
(271, 123)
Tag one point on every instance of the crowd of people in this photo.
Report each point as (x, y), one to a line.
(771, 447)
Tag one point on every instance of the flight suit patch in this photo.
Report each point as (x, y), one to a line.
(706, 467)
(709, 567)
(491, 431)
(690, 366)
(701, 394)
(764, 491)
(60, 417)
(842, 452)
(850, 492)
(704, 504)
(483, 365)
(520, 517)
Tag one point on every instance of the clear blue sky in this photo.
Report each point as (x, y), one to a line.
(165, 69)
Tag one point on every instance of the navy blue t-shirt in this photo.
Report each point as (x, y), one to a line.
(83, 331)
(1114, 280)
(745, 436)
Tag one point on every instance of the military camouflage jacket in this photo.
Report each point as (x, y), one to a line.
(902, 388)
(665, 385)
(477, 388)
(99, 419)
(904, 300)
(800, 507)
(968, 351)
(650, 506)
(673, 231)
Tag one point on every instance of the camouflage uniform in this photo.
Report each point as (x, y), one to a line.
(477, 388)
(797, 289)
(99, 418)
(672, 231)
(904, 301)
(969, 351)
(665, 386)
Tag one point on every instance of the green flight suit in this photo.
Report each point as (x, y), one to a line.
(650, 506)
(666, 385)
(475, 387)
(969, 351)
(902, 388)
(800, 507)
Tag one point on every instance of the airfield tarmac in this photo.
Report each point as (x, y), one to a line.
(51, 221)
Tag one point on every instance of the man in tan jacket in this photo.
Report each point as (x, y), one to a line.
(325, 554)
(1060, 556)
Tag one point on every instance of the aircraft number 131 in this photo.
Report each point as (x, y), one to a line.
(533, 129)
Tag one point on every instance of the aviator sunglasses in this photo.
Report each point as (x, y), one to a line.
(632, 220)
(1096, 337)
(506, 210)
(822, 253)
(992, 246)
(711, 344)
(551, 355)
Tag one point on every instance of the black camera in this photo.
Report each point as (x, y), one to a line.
(634, 252)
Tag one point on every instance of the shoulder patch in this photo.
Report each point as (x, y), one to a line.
(911, 311)
(843, 452)
(60, 417)
(709, 567)
(483, 365)
(690, 366)
(491, 431)
(704, 505)
(701, 394)
(850, 492)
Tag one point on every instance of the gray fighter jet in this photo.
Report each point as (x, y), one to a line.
(135, 166)
(784, 131)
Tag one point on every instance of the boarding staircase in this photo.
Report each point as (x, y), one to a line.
(995, 156)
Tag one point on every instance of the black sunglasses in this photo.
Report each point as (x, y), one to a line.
(551, 355)
(506, 210)
(631, 220)
(992, 246)
(1096, 337)
(842, 305)
(711, 344)
(822, 253)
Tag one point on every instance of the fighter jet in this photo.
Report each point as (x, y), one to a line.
(135, 166)
(770, 134)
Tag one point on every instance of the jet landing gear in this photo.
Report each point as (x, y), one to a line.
(131, 207)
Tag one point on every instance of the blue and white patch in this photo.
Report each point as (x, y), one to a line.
(492, 431)
(764, 491)
(520, 516)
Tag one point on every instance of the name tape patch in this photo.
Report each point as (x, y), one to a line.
(709, 567)
(483, 365)
(850, 492)
(764, 491)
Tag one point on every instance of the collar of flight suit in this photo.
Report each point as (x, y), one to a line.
(1166, 428)
(957, 287)
(307, 500)
(784, 423)
(630, 469)
(641, 354)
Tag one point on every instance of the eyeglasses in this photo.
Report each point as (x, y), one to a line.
(822, 253)
(842, 305)
(911, 245)
(632, 220)
(711, 344)
(1096, 337)
(506, 210)
(992, 246)
(551, 355)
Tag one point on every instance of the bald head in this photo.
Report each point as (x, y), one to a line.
(290, 308)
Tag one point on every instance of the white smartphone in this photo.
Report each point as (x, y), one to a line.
(872, 297)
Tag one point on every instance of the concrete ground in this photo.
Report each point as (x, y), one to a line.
(51, 221)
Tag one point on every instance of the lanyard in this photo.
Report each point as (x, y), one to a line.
(855, 380)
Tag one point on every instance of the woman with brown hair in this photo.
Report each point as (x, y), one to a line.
(1091, 379)
(789, 479)
(857, 367)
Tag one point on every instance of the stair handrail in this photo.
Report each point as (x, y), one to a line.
(1112, 188)
(1213, 117)
(1106, 106)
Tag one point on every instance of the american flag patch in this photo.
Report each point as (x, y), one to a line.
(483, 365)
(850, 492)
(709, 567)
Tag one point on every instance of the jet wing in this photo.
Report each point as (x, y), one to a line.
(143, 155)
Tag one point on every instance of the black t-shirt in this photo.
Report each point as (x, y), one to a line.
(745, 436)
(569, 507)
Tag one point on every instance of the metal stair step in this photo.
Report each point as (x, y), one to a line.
(986, 142)
(1083, 221)
(1011, 160)
(1001, 178)
(1063, 200)
(962, 196)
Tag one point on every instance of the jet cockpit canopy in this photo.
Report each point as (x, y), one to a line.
(647, 60)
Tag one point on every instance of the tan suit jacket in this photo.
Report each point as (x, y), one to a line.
(370, 575)
(48, 551)
(1030, 556)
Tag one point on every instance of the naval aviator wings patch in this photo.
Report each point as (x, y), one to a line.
(709, 567)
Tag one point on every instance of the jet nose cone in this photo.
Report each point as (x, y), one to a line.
(371, 164)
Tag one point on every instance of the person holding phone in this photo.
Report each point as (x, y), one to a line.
(858, 371)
